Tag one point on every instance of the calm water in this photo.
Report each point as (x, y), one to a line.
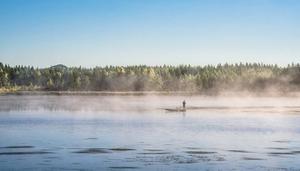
(136, 133)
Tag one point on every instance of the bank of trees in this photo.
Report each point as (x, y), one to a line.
(248, 76)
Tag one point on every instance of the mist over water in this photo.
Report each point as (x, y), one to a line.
(134, 132)
(146, 102)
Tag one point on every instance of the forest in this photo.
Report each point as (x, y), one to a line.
(210, 78)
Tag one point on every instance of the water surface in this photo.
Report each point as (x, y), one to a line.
(135, 133)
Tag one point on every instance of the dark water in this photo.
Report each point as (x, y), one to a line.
(135, 133)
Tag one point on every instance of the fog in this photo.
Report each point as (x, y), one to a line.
(149, 102)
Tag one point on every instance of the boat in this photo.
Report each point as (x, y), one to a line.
(176, 110)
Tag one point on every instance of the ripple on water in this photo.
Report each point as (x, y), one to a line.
(155, 153)
(121, 149)
(284, 153)
(239, 151)
(91, 138)
(278, 148)
(103, 150)
(282, 141)
(21, 150)
(149, 149)
(25, 152)
(200, 152)
(93, 151)
(23, 146)
(193, 148)
(252, 158)
(124, 167)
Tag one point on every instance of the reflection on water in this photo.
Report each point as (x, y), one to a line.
(135, 133)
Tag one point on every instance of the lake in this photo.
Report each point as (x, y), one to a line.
(134, 132)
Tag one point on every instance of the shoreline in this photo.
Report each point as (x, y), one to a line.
(156, 93)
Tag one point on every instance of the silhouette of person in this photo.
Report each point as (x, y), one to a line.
(183, 104)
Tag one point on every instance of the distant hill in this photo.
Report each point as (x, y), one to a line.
(59, 66)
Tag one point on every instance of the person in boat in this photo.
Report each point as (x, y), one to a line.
(183, 104)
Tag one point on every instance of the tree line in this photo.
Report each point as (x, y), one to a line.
(209, 78)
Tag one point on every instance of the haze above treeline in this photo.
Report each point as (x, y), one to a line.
(252, 77)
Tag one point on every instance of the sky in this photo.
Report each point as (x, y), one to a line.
(92, 33)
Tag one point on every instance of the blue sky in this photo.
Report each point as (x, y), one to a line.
(153, 32)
